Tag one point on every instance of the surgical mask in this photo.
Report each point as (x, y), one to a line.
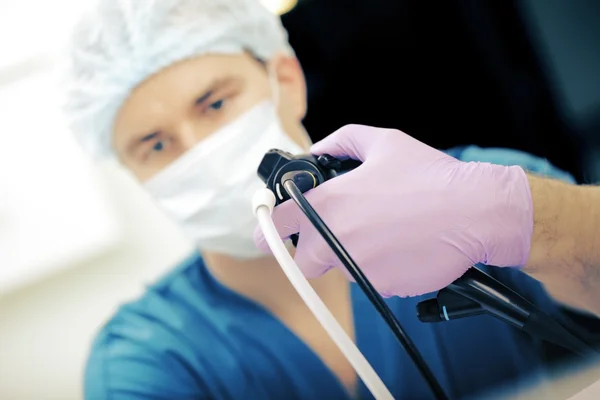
(209, 189)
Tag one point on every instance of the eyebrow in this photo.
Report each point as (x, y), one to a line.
(213, 87)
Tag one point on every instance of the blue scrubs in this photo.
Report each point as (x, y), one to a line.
(189, 337)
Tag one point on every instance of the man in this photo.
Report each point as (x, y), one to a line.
(188, 95)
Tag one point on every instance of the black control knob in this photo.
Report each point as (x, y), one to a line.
(329, 162)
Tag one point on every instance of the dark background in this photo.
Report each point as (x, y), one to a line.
(517, 74)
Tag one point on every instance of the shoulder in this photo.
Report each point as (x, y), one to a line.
(122, 367)
(502, 156)
(146, 349)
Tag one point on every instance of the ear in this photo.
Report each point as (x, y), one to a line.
(291, 85)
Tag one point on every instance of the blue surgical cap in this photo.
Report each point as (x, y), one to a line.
(120, 43)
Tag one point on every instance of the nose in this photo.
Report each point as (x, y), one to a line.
(187, 136)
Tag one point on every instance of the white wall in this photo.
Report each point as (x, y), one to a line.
(49, 194)
(46, 328)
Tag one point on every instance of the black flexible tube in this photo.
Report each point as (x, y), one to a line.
(541, 325)
(362, 281)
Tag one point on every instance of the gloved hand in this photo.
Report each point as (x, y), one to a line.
(413, 218)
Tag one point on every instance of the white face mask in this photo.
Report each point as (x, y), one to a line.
(209, 189)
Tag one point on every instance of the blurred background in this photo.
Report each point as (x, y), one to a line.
(77, 240)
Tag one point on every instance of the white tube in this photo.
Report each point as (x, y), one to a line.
(264, 201)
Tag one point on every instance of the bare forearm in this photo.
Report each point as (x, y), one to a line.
(565, 249)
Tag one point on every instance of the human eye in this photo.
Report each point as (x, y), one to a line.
(215, 106)
(156, 148)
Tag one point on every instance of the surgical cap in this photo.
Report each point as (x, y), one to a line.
(120, 43)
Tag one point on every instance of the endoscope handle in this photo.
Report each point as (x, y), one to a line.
(276, 163)
(332, 167)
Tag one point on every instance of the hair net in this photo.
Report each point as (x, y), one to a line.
(120, 43)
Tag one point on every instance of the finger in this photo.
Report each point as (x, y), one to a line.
(286, 217)
(309, 256)
(350, 141)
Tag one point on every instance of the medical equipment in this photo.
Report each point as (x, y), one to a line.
(264, 201)
(477, 293)
(288, 176)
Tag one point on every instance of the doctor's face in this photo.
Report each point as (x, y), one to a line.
(183, 104)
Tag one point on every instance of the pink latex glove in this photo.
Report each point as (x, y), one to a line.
(413, 218)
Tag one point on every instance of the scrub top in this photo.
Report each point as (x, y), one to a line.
(189, 337)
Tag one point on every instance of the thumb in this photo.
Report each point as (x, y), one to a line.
(286, 217)
(350, 141)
